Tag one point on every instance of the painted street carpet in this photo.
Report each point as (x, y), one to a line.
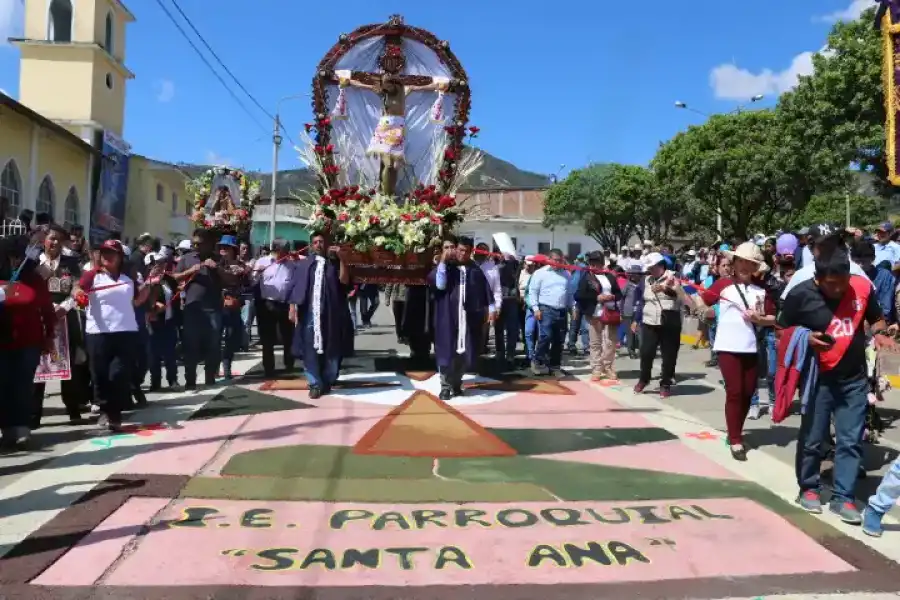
(521, 482)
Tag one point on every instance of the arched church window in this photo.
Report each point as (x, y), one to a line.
(46, 198)
(59, 22)
(108, 36)
(11, 189)
(71, 216)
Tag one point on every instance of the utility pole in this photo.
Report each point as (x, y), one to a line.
(847, 206)
(276, 143)
(719, 219)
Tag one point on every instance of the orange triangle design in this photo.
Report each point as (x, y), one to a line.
(425, 426)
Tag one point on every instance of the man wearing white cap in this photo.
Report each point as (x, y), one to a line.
(689, 264)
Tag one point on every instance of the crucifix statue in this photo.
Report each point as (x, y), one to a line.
(388, 141)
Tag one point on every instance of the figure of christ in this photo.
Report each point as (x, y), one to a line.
(388, 139)
(223, 201)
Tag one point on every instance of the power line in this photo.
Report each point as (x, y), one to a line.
(211, 68)
(219, 60)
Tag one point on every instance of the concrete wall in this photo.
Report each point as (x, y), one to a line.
(531, 238)
(153, 188)
(40, 153)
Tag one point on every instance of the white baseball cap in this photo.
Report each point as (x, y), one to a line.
(185, 245)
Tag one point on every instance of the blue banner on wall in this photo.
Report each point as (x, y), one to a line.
(108, 213)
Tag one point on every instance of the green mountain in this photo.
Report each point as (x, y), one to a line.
(493, 174)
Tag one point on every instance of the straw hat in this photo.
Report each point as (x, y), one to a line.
(747, 251)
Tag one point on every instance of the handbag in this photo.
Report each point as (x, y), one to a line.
(610, 315)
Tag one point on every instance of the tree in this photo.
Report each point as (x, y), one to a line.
(728, 164)
(835, 117)
(605, 198)
(865, 211)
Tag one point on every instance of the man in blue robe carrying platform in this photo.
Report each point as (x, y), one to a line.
(324, 332)
(462, 302)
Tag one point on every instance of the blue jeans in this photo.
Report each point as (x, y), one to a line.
(888, 491)
(506, 330)
(847, 400)
(530, 333)
(233, 330)
(771, 364)
(576, 326)
(321, 370)
(202, 342)
(551, 336)
(369, 299)
(163, 341)
(353, 303)
(248, 315)
(17, 369)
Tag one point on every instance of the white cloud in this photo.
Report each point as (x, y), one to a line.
(165, 90)
(729, 82)
(213, 158)
(851, 13)
(12, 19)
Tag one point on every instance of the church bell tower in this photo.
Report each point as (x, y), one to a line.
(73, 63)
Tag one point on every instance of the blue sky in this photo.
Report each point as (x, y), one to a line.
(553, 83)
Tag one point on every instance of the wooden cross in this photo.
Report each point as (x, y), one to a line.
(392, 61)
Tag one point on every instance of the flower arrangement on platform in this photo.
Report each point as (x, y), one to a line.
(368, 220)
(226, 212)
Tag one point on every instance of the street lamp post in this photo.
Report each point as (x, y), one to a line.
(684, 106)
(276, 143)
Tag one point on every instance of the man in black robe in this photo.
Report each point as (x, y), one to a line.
(324, 332)
(461, 305)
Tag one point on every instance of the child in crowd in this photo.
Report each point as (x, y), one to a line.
(884, 498)
(635, 273)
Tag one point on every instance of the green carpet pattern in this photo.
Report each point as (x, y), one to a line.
(238, 401)
(532, 442)
(360, 490)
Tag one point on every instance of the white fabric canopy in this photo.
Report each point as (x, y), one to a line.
(364, 109)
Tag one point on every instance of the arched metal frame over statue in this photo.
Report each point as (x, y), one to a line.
(888, 21)
(224, 200)
(400, 52)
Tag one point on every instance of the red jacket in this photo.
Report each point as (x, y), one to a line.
(30, 314)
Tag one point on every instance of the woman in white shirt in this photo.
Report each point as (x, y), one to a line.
(744, 307)
(109, 297)
(598, 295)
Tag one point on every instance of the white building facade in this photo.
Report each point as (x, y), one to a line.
(520, 214)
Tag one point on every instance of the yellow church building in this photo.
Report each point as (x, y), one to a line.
(61, 144)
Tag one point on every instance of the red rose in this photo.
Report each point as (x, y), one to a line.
(406, 218)
(329, 148)
(371, 191)
(373, 220)
(319, 149)
(449, 154)
(308, 127)
(325, 122)
(354, 189)
(474, 130)
(343, 216)
(436, 220)
(326, 200)
(421, 214)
